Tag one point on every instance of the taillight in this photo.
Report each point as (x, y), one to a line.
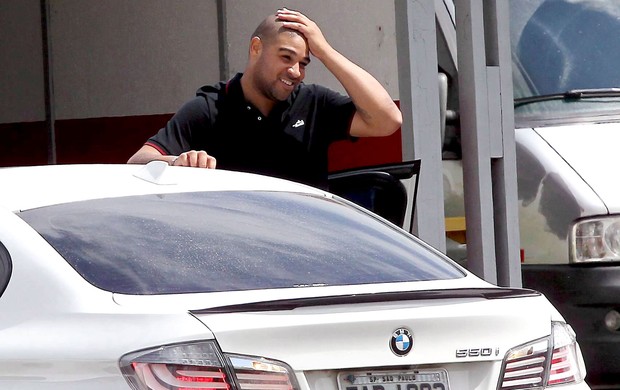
(565, 364)
(549, 361)
(524, 367)
(253, 373)
(201, 366)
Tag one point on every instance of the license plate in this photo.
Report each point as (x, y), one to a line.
(394, 380)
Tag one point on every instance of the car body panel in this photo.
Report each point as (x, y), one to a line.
(552, 195)
(57, 330)
(331, 337)
(96, 182)
(601, 139)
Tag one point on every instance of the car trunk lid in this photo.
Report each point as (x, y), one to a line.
(357, 331)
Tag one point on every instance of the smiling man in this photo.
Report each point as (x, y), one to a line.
(265, 120)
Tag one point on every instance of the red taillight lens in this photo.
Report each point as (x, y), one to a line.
(170, 376)
(561, 367)
(200, 366)
(196, 366)
(565, 365)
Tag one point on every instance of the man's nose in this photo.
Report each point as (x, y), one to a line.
(294, 71)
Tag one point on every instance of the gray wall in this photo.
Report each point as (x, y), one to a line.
(119, 57)
(139, 57)
(21, 62)
(361, 30)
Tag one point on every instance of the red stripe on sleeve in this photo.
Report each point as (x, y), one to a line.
(159, 148)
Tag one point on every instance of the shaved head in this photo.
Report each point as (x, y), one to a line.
(270, 28)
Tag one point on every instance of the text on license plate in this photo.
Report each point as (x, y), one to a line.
(394, 380)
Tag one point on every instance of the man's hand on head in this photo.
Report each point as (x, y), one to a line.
(194, 158)
(317, 44)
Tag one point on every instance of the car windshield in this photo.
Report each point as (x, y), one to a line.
(565, 45)
(225, 241)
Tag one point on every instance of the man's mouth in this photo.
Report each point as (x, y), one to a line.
(287, 82)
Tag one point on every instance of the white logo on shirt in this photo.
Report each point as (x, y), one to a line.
(300, 122)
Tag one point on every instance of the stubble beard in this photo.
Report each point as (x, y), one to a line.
(271, 89)
(274, 92)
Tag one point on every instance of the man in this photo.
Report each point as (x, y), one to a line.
(266, 120)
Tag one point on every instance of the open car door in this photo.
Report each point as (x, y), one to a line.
(388, 190)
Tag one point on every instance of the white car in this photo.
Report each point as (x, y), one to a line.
(156, 277)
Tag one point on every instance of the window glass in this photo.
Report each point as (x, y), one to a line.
(5, 268)
(562, 45)
(224, 241)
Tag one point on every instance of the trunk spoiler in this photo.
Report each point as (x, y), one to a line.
(294, 303)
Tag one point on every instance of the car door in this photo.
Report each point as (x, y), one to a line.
(388, 190)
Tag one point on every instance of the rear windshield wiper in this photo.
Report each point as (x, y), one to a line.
(573, 94)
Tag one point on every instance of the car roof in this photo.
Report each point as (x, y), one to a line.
(25, 188)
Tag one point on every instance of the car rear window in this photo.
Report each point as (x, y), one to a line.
(226, 241)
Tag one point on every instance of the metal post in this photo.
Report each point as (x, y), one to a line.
(504, 167)
(222, 31)
(50, 115)
(475, 139)
(419, 103)
(487, 129)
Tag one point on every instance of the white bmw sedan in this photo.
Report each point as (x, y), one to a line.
(167, 278)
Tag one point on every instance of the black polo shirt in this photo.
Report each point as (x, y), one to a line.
(290, 143)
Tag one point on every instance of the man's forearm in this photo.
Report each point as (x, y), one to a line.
(190, 158)
(147, 154)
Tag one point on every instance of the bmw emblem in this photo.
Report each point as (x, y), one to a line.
(401, 341)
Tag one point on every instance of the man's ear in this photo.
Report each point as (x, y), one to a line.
(256, 46)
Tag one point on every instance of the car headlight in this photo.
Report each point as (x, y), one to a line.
(595, 240)
(201, 366)
(542, 363)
